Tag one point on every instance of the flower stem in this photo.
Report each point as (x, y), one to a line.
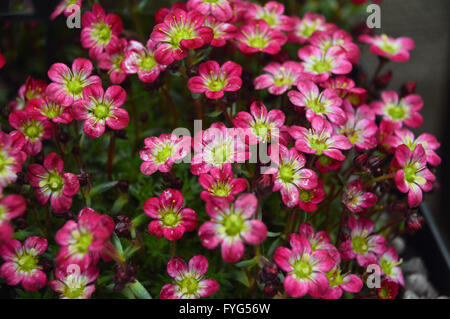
(379, 179)
(111, 152)
(57, 141)
(172, 106)
(173, 248)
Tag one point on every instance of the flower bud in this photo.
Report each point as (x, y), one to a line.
(123, 226)
(408, 88)
(383, 81)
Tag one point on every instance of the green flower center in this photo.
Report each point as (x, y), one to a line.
(181, 34)
(217, 85)
(170, 219)
(32, 131)
(211, 1)
(302, 269)
(52, 110)
(102, 33)
(322, 66)
(73, 292)
(55, 182)
(318, 144)
(147, 63)
(270, 18)
(286, 173)
(220, 154)
(316, 105)
(221, 189)
(305, 196)
(84, 240)
(258, 41)
(189, 285)
(335, 278)
(262, 130)
(396, 112)
(410, 173)
(388, 46)
(234, 224)
(2, 213)
(27, 263)
(75, 86)
(5, 161)
(282, 80)
(308, 30)
(101, 111)
(360, 245)
(163, 154)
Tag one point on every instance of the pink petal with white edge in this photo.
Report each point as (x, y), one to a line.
(199, 265)
(35, 245)
(232, 249)
(207, 287)
(246, 204)
(295, 288)
(176, 267)
(256, 232)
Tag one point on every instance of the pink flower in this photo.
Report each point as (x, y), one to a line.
(319, 241)
(428, 142)
(111, 60)
(11, 206)
(389, 264)
(393, 49)
(309, 198)
(82, 242)
(217, 146)
(72, 282)
(67, 7)
(326, 164)
(355, 199)
(360, 127)
(141, 60)
(22, 263)
(99, 29)
(171, 220)
(280, 77)
(272, 13)
(163, 12)
(30, 90)
(47, 109)
(342, 282)
(11, 157)
(326, 103)
(403, 111)
(33, 130)
(231, 226)
(257, 36)
(221, 183)
(260, 125)
(214, 80)
(290, 176)
(413, 176)
(179, 32)
(345, 88)
(220, 9)
(99, 108)
(362, 245)
(306, 27)
(305, 268)
(325, 40)
(388, 290)
(318, 65)
(68, 85)
(50, 182)
(320, 139)
(190, 282)
(160, 153)
(223, 31)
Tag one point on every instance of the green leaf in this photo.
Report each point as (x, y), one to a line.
(247, 263)
(119, 203)
(101, 188)
(116, 242)
(215, 113)
(139, 291)
(271, 234)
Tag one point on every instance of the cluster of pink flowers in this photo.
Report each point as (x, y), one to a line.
(322, 141)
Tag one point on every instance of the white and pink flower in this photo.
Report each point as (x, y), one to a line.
(258, 36)
(390, 48)
(324, 104)
(305, 268)
(72, 282)
(231, 225)
(279, 77)
(22, 263)
(356, 199)
(171, 220)
(190, 281)
(11, 206)
(50, 183)
(160, 153)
